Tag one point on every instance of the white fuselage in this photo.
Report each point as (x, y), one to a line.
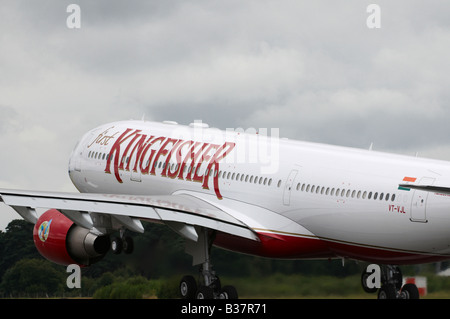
(347, 198)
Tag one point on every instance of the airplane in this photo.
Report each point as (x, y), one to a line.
(244, 191)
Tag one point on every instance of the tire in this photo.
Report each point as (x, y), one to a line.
(188, 287)
(128, 245)
(409, 291)
(387, 292)
(116, 245)
(228, 292)
(204, 292)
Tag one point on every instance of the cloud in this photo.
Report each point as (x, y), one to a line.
(312, 69)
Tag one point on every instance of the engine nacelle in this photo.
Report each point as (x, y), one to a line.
(61, 241)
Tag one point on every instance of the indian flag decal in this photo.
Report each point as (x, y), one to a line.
(407, 179)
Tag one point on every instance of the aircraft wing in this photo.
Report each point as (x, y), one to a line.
(428, 188)
(180, 212)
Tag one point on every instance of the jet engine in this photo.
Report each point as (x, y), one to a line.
(61, 241)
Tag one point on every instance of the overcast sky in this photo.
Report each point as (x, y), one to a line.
(313, 69)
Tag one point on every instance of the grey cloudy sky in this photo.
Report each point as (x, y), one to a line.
(313, 69)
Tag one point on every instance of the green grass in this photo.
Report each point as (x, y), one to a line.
(276, 286)
(297, 286)
(279, 286)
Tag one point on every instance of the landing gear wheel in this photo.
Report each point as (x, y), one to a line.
(228, 292)
(204, 292)
(116, 245)
(387, 292)
(188, 287)
(209, 285)
(119, 244)
(128, 245)
(409, 291)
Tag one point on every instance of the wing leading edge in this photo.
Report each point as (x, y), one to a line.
(180, 212)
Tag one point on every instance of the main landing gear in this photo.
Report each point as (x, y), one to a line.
(390, 280)
(209, 285)
(190, 290)
(122, 244)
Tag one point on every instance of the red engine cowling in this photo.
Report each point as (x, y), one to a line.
(61, 241)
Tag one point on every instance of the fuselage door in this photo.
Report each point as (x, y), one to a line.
(75, 158)
(288, 187)
(419, 202)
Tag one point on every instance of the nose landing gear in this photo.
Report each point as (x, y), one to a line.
(391, 281)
